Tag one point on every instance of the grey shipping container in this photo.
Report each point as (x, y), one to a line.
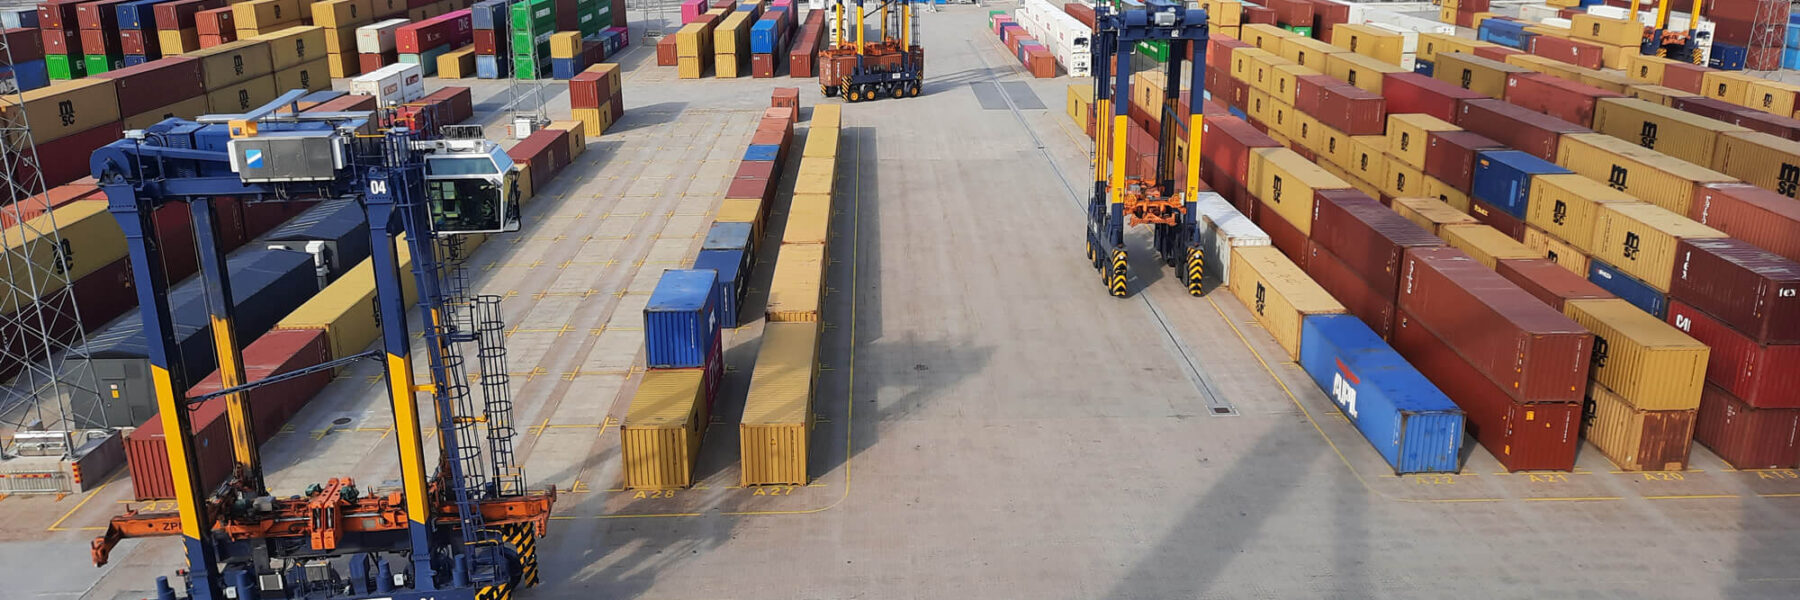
(334, 232)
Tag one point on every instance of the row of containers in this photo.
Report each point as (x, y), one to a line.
(1031, 53)
(1042, 35)
(528, 39)
(684, 321)
(1747, 34)
(322, 252)
(1477, 202)
(727, 37)
(1603, 36)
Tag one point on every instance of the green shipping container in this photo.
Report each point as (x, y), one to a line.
(101, 63)
(64, 66)
(1157, 50)
(537, 16)
(521, 41)
(1305, 30)
(525, 68)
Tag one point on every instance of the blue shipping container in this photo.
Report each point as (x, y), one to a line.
(14, 18)
(681, 322)
(488, 67)
(132, 60)
(1628, 288)
(1726, 57)
(733, 237)
(1505, 33)
(322, 96)
(763, 37)
(1793, 34)
(1503, 178)
(335, 233)
(763, 152)
(488, 14)
(1423, 67)
(1412, 424)
(1790, 58)
(137, 15)
(27, 76)
(731, 287)
(566, 68)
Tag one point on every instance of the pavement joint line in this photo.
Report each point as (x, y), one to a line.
(57, 526)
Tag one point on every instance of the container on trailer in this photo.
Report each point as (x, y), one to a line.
(1413, 425)
(1430, 213)
(1762, 375)
(1636, 438)
(1746, 437)
(1649, 363)
(1450, 156)
(1549, 281)
(1650, 176)
(1278, 293)
(1533, 352)
(1516, 127)
(1642, 240)
(773, 433)
(660, 438)
(797, 288)
(1522, 436)
(1628, 288)
(1374, 308)
(1369, 238)
(1674, 132)
(1504, 179)
(1752, 290)
(1567, 205)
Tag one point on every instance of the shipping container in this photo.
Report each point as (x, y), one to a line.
(1430, 213)
(1278, 293)
(1649, 175)
(1223, 228)
(1516, 127)
(728, 251)
(1750, 289)
(1762, 375)
(1485, 244)
(1763, 218)
(334, 232)
(295, 46)
(1628, 288)
(1729, 86)
(345, 310)
(1504, 179)
(77, 106)
(1636, 438)
(1287, 182)
(1416, 93)
(1493, 217)
(1549, 281)
(1673, 132)
(1745, 437)
(1764, 160)
(1450, 156)
(778, 415)
(234, 62)
(1226, 144)
(1369, 238)
(1359, 299)
(796, 292)
(89, 240)
(1566, 205)
(1415, 427)
(1641, 240)
(1533, 352)
(1650, 364)
(1522, 436)
(1474, 73)
(660, 438)
(1665, 96)
(1409, 136)
(1361, 71)
(1558, 251)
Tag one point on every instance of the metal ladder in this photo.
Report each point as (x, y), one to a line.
(657, 17)
(496, 394)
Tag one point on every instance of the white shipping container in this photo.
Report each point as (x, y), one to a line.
(1536, 13)
(397, 83)
(379, 37)
(1222, 228)
(1558, 22)
(1409, 39)
(1066, 37)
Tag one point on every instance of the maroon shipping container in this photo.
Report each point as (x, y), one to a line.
(1516, 127)
(95, 41)
(762, 66)
(1750, 289)
(1372, 306)
(60, 41)
(65, 159)
(1766, 58)
(58, 14)
(1762, 375)
(453, 29)
(370, 62)
(1258, 15)
(1368, 238)
(98, 15)
(139, 41)
(1328, 14)
(1743, 116)
(180, 13)
(454, 104)
(26, 44)
(1522, 436)
(1765, 219)
(217, 22)
(665, 51)
(1282, 234)
(345, 103)
(1560, 98)
(1498, 53)
(275, 353)
(1416, 93)
(589, 89)
(1683, 76)
(1533, 352)
(1297, 13)
(486, 42)
(52, 199)
(1218, 53)
(1225, 146)
(1748, 438)
(102, 295)
(547, 153)
(148, 456)
(1450, 156)
(1548, 281)
(1082, 12)
(1341, 106)
(1574, 52)
(155, 84)
(1473, 6)
(1500, 220)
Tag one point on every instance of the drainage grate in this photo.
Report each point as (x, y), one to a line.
(1022, 96)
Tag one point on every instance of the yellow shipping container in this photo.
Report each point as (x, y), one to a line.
(1548, 31)
(732, 36)
(1485, 244)
(797, 289)
(1640, 239)
(742, 210)
(1284, 80)
(1224, 13)
(1259, 105)
(817, 175)
(62, 109)
(1611, 81)
(1430, 44)
(1278, 293)
(525, 190)
(1283, 119)
(1766, 161)
(1474, 73)
(1612, 32)
(1655, 94)
(728, 66)
(345, 310)
(1358, 70)
(1649, 175)
(225, 64)
(1649, 363)
(1547, 66)
(577, 135)
(1330, 144)
(1285, 181)
(694, 40)
(1362, 186)
(265, 15)
(1244, 62)
(1080, 102)
(1409, 135)
(315, 75)
(342, 65)
(1616, 57)
(1565, 206)
(178, 41)
(1446, 193)
(594, 121)
(1558, 251)
(1446, 15)
(294, 46)
(809, 220)
(1677, 133)
(1626, 434)
(1773, 97)
(457, 64)
(242, 97)
(690, 67)
(565, 44)
(1308, 52)
(341, 41)
(1402, 179)
(1368, 157)
(1379, 44)
(1730, 86)
(826, 115)
(1230, 31)
(339, 14)
(821, 144)
(1266, 37)
(1475, 19)
(1646, 69)
(778, 414)
(1147, 89)
(90, 239)
(190, 108)
(1431, 213)
(660, 439)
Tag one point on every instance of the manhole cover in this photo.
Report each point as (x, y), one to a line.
(341, 421)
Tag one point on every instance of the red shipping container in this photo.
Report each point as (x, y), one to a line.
(1567, 100)
(1473, 6)
(1500, 220)
(1450, 156)
(140, 42)
(1748, 288)
(589, 89)
(58, 14)
(1341, 106)
(1522, 436)
(1327, 14)
(1218, 53)
(1516, 127)
(1372, 306)
(1745, 10)
(1282, 234)
(216, 22)
(1683, 76)
(1498, 53)
(345, 103)
(102, 295)
(179, 14)
(1574, 52)
(1257, 15)
(1225, 145)
(1081, 12)
(26, 43)
(1748, 438)
(1368, 238)
(1763, 218)
(1548, 281)
(275, 353)
(1416, 93)
(1743, 116)
(95, 41)
(1297, 13)
(52, 199)
(369, 62)
(148, 456)
(65, 159)
(453, 29)
(1534, 353)
(666, 52)
(1764, 58)
(1764, 376)
(98, 14)
(454, 104)
(59, 41)
(486, 42)
(762, 66)
(156, 84)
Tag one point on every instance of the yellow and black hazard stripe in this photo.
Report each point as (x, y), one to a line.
(522, 538)
(1196, 271)
(495, 592)
(1115, 280)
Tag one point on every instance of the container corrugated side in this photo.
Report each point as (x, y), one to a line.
(821, 142)
(91, 239)
(1361, 71)
(1650, 176)
(660, 438)
(1286, 182)
(1485, 244)
(1415, 427)
(809, 220)
(1341, 281)
(1278, 293)
(1745, 437)
(1641, 240)
(1650, 364)
(1628, 288)
(1474, 73)
(1549, 281)
(1430, 213)
(1762, 375)
(1752, 214)
(772, 435)
(1764, 160)
(1224, 228)
(1409, 136)
(1636, 439)
(1674, 132)
(796, 290)
(345, 310)
(1370, 239)
(1547, 246)
(1756, 292)
(1565, 206)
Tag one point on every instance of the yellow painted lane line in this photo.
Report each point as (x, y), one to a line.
(57, 526)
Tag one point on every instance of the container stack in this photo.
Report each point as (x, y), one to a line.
(492, 44)
(215, 26)
(424, 42)
(1065, 36)
(1748, 34)
(803, 60)
(597, 97)
(137, 32)
(1024, 47)
(28, 70)
(98, 24)
(769, 39)
(176, 28)
(731, 40)
(340, 18)
(391, 85)
(533, 21)
(566, 54)
(694, 46)
(673, 403)
(377, 45)
(61, 34)
(298, 59)
(750, 196)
